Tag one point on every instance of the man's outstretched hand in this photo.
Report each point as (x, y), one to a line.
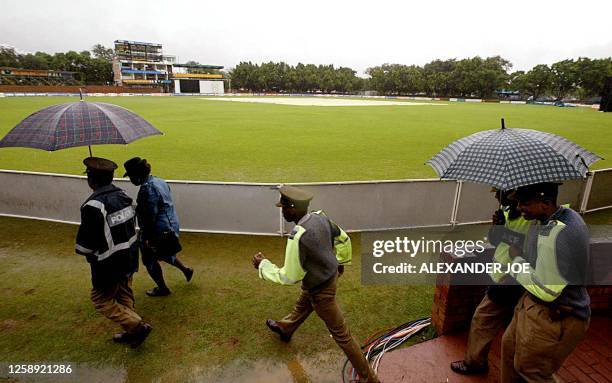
(257, 258)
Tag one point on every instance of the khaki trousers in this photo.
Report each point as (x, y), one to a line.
(534, 347)
(488, 320)
(323, 302)
(116, 302)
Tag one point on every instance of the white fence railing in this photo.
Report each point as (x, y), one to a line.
(248, 208)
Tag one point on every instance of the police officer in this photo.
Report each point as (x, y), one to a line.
(107, 238)
(553, 316)
(158, 224)
(495, 310)
(317, 250)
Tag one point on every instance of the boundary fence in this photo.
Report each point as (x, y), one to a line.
(107, 93)
(248, 208)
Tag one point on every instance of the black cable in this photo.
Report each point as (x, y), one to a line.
(344, 370)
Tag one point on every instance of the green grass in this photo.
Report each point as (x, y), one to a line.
(215, 321)
(215, 324)
(211, 329)
(221, 141)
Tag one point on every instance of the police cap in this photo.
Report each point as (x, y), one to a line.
(98, 164)
(292, 197)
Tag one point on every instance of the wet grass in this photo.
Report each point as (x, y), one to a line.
(216, 320)
(211, 329)
(223, 141)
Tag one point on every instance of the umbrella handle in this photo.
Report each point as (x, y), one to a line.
(583, 161)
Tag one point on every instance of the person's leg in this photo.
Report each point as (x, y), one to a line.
(157, 274)
(326, 307)
(543, 344)
(149, 259)
(298, 315)
(125, 294)
(187, 271)
(488, 320)
(508, 374)
(105, 302)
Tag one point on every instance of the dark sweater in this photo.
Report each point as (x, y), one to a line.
(317, 255)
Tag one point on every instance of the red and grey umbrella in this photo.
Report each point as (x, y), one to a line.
(78, 124)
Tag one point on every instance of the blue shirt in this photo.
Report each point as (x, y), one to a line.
(155, 210)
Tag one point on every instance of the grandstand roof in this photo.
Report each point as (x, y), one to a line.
(137, 43)
(202, 66)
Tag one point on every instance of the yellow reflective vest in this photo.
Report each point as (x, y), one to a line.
(516, 230)
(292, 271)
(544, 280)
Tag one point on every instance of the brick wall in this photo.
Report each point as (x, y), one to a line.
(455, 304)
(601, 299)
(75, 89)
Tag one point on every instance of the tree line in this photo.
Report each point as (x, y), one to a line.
(92, 67)
(582, 78)
(471, 77)
(301, 78)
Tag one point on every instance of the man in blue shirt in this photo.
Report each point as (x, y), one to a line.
(158, 223)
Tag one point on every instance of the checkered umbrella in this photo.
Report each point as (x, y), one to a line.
(78, 124)
(509, 158)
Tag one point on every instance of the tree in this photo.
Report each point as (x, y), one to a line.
(241, 76)
(438, 80)
(475, 76)
(31, 61)
(564, 78)
(8, 57)
(592, 75)
(534, 83)
(201, 70)
(103, 53)
(282, 77)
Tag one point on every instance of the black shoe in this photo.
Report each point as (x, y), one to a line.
(122, 337)
(460, 367)
(188, 274)
(157, 292)
(272, 325)
(141, 333)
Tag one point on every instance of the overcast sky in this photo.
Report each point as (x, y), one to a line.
(357, 34)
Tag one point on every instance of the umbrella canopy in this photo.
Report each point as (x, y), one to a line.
(78, 124)
(509, 157)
